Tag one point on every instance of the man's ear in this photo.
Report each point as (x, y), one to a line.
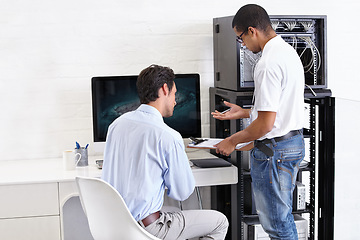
(165, 89)
(251, 30)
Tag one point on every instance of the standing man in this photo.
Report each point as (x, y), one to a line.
(277, 121)
(143, 156)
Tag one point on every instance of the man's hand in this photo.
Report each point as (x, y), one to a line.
(225, 147)
(235, 112)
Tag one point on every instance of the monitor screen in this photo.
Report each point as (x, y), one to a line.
(114, 95)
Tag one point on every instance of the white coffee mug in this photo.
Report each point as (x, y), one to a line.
(70, 159)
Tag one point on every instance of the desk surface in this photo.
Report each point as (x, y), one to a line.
(51, 170)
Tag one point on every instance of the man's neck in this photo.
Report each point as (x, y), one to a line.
(156, 105)
(267, 38)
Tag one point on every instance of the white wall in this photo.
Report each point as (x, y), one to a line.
(49, 50)
(347, 194)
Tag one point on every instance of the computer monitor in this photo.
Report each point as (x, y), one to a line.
(113, 96)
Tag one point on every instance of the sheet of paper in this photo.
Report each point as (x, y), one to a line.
(210, 142)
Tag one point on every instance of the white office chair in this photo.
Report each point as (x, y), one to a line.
(108, 216)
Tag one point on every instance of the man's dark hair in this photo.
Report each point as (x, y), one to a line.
(251, 15)
(151, 79)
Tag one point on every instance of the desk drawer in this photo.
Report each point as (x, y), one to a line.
(29, 200)
(33, 228)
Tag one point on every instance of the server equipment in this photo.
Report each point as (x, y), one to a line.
(254, 231)
(234, 64)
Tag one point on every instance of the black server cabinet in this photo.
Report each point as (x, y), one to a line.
(230, 199)
(235, 201)
(234, 64)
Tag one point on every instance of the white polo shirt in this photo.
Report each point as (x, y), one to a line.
(279, 87)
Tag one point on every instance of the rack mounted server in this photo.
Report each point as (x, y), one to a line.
(234, 64)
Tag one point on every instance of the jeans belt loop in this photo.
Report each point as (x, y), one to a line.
(273, 141)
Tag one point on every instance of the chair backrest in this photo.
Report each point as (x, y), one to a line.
(108, 216)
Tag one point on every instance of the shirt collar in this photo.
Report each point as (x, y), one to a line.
(271, 41)
(150, 110)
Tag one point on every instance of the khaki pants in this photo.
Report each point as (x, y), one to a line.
(205, 224)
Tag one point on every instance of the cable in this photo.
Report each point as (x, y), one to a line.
(312, 91)
(274, 24)
(314, 50)
(252, 61)
(290, 24)
(311, 61)
(294, 42)
(307, 25)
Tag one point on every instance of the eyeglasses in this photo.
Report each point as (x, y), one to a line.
(239, 39)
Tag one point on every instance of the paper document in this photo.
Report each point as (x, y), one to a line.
(210, 142)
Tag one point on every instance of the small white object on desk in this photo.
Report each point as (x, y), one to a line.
(70, 159)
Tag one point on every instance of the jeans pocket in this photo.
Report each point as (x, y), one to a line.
(258, 155)
(259, 164)
(288, 166)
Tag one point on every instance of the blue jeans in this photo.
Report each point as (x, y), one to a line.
(273, 183)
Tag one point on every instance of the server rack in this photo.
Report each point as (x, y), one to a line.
(233, 63)
(235, 200)
(233, 67)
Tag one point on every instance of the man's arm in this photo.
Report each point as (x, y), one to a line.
(258, 128)
(178, 177)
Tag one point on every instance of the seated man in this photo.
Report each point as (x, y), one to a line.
(143, 156)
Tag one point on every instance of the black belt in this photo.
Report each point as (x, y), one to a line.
(260, 144)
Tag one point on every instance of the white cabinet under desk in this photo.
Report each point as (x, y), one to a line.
(29, 211)
(33, 193)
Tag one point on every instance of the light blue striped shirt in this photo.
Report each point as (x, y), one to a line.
(143, 156)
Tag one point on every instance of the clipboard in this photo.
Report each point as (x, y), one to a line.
(209, 143)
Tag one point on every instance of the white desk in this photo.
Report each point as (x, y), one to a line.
(33, 193)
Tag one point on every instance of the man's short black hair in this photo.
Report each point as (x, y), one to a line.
(251, 15)
(151, 79)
